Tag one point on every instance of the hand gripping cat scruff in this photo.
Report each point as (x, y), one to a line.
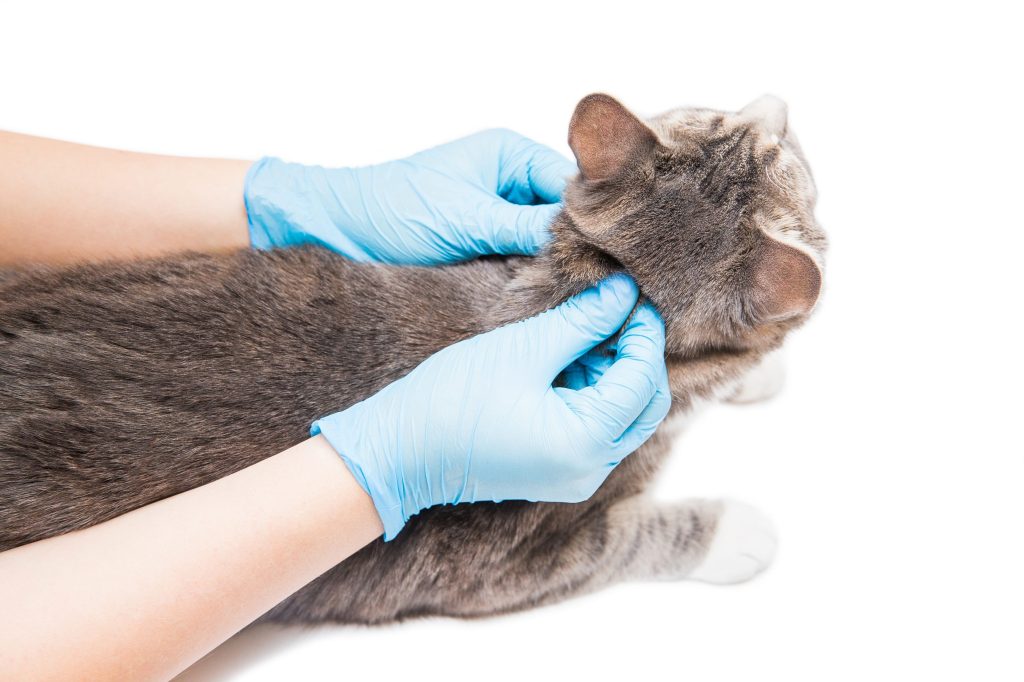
(124, 383)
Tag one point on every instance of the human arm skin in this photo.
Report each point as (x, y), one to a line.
(62, 202)
(146, 594)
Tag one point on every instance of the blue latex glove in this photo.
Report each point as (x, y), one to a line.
(493, 192)
(480, 420)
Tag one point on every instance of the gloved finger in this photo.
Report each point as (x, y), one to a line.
(625, 391)
(569, 330)
(530, 172)
(549, 173)
(652, 416)
(647, 423)
(512, 229)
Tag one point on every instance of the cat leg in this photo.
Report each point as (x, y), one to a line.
(575, 551)
(762, 382)
(715, 541)
(719, 542)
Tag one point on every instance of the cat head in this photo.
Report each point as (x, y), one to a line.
(710, 212)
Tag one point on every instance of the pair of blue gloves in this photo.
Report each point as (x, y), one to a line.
(480, 420)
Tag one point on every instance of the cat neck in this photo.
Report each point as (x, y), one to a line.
(567, 265)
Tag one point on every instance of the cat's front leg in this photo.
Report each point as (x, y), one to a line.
(720, 541)
(633, 538)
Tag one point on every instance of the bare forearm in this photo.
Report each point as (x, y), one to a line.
(146, 594)
(62, 202)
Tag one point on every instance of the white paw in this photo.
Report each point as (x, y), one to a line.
(743, 545)
(762, 382)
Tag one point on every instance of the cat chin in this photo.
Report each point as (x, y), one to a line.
(743, 546)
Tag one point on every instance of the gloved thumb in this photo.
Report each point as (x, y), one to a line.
(513, 229)
(568, 331)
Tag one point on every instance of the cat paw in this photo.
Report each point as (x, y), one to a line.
(762, 382)
(743, 545)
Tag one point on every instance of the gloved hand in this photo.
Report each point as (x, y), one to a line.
(480, 420)
(493, 192)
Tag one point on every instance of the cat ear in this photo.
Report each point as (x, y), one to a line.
(769, 112)
(785, 281)
(607, 138)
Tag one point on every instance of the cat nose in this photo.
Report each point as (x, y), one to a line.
(769, 112)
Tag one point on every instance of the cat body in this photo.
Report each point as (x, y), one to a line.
(124, 383)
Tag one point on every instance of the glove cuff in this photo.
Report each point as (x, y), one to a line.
(345, 441)
(289, 204)
(270, 219)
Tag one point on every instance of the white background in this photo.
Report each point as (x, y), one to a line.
(892, 464)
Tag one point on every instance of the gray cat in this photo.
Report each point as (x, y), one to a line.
(124, 383)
